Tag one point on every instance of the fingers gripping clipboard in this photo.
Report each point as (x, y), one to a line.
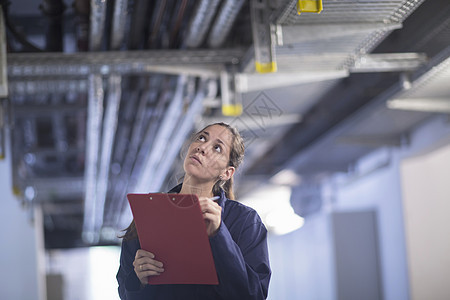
(171, 226)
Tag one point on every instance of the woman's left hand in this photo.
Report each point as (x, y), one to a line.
(212, 214)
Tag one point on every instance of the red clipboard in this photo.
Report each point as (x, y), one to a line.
(171, 226)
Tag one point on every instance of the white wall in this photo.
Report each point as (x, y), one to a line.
(426, 185)
(87, 273)
(22, 275)
(382, 191)
(301, 262)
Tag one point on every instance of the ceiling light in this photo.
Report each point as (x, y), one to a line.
(286, 177)
(283, 221)
(273, 206)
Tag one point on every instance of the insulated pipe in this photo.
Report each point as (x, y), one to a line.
(224, 22)
(118, 24)
(201, 21)
(97, 24)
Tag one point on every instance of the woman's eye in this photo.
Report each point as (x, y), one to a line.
(201, 138)
(218, 148)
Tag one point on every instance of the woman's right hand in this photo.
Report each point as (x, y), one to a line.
(145, 265)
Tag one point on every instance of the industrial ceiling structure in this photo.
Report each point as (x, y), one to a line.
(101, 95)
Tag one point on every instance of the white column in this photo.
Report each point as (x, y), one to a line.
(22, 247)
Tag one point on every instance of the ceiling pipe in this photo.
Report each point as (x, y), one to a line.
(178, 17)
(97, 24)
(224, 22)
(82, 10)
(54, 10)
(139, 20)
(119, 24)
(143, 139)
(123, 149)
(155, 119)
(162, 139)
(135, 144)
(155, 24)
(206, 88)
(93, 132)
(201, 22)
(108, 136)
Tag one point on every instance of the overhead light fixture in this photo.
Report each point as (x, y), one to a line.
(273, 206)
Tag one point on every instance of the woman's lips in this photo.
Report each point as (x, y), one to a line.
(196, 159)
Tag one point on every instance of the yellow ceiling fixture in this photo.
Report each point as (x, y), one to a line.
(311, 6)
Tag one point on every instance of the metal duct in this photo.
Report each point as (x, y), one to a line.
(200, 23)
(224, 21)
(118, 24)
(98, 16)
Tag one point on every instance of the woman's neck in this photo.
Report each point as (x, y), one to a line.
(199, 189)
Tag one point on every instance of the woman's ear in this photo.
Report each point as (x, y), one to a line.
(227, 174)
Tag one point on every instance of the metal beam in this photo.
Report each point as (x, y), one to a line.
(31, 65)
(292, 34)
(388, 62)
(435, 105)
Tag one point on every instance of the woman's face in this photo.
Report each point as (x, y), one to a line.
(209, 154)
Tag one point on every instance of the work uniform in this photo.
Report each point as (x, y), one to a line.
(240, 255)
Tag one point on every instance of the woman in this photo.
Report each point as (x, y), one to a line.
(236, 233)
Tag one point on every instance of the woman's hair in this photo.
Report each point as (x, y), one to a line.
(237, 150)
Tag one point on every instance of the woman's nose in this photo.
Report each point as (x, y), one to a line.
(201, 149)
